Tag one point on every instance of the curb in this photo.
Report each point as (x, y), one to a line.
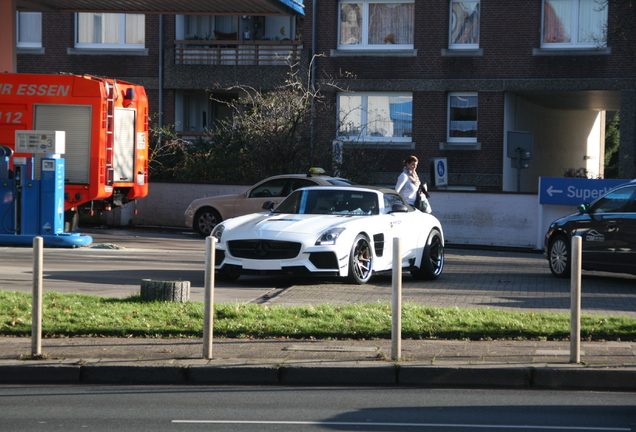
(319, 374)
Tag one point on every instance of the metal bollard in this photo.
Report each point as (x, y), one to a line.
(208, 304)
(36, 306)
(396, 303)
(575, 301)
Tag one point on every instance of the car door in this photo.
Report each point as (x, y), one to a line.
(297, 183)
(404, 226)
(625, 255)
(253, 200)
(600, 233)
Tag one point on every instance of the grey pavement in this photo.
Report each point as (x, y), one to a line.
(605, 366)
(506, 280)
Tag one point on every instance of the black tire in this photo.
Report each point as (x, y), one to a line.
(432, 258)
(71, 220)
(360, 261)
(227, 277)
(205, 220)
(560, 257)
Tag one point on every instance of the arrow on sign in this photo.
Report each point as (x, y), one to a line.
(551, 190)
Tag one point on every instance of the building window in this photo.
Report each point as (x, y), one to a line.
(574, 23)
(462, 117)
(376, 25)
(381, 117)
(29, 30)
(464, 24)
(211, 27)
(110, 30)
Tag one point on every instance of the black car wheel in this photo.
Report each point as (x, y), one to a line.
(205, 220)
(360, 261)
(432, 258)
(559, 257)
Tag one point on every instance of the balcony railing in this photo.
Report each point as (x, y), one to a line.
(216, 52)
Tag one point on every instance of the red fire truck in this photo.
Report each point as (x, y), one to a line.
(106, 125)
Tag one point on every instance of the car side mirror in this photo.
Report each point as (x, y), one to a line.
(399, 208)
(268, 205)
(584, 208)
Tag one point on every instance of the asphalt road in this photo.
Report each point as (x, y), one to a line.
(117, 260)
(233, 408)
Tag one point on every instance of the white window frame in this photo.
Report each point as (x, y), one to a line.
(364, 45)
(362, 113)
(19, 23)
(575, 28)
(453, 24)
(451, 139)
(121, 37)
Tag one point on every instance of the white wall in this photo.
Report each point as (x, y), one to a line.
(468, 218)
(165, 204)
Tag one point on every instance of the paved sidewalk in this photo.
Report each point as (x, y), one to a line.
(505, 280)
(425, 363)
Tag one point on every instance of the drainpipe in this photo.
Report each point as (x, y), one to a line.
(313, 74)
(160, 101)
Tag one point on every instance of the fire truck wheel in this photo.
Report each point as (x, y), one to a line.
(71, 220)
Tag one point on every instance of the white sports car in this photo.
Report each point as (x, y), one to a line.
(344, 231)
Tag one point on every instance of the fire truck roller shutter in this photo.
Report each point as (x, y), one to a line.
(124, 148)
(75, 120)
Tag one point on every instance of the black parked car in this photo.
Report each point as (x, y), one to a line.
(608, 231)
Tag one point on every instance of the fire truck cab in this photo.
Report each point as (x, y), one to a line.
(106, 127)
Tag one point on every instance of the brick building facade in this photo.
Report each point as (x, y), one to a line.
(499, 71)
(558, 92)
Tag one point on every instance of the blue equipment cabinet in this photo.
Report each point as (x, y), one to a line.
(34, 208)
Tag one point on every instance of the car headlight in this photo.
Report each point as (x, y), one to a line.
(218, 232)
(329, 237)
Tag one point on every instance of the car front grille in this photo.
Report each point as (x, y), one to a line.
(263, 249)
(219, 256)
(324, 260)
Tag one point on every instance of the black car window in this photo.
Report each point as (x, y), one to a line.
(355, 203)
(392, 198)
(617, 201)
(301, 183)
(291, 204)
(271, 188)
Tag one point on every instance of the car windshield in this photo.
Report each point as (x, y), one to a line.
(620, 200)
(331, 202)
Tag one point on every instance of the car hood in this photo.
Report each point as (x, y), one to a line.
(269, 225)
(570, 218)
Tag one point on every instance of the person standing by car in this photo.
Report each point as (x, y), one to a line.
(408, 182)
(411, 188)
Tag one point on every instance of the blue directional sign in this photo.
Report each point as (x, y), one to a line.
(573, 191)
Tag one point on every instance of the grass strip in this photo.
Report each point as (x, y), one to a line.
(69, 315)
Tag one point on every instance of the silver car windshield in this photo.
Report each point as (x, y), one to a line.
(330, 202)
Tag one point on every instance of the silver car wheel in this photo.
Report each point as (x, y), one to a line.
(205, 220)
(360, 261)
(560, 257)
